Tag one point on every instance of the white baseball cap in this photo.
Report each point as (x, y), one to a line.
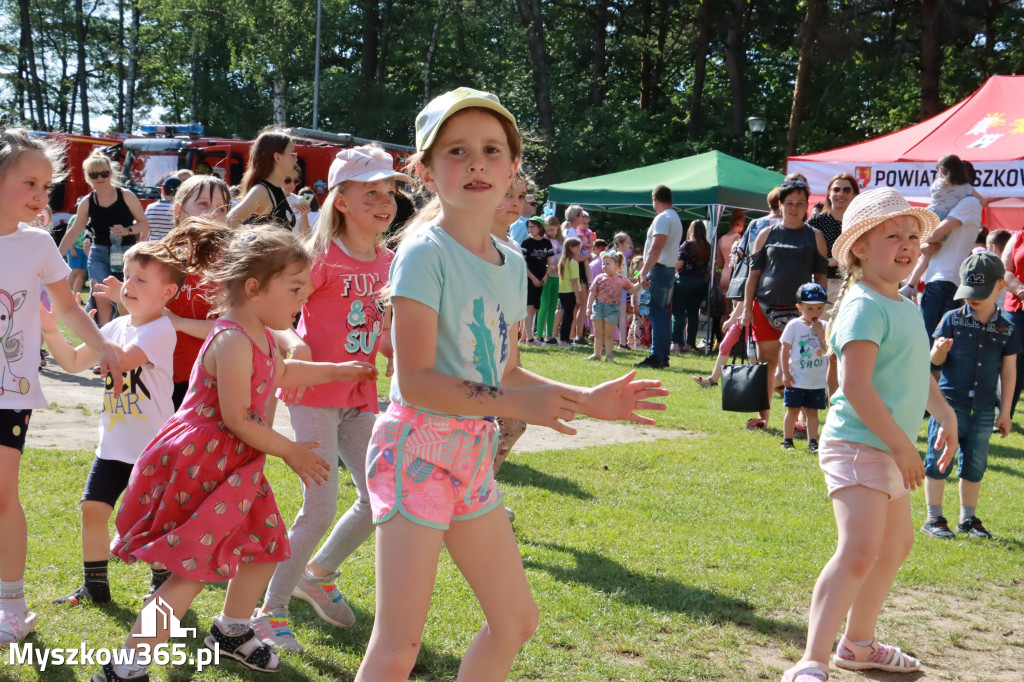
(429, 120)
(362, 164)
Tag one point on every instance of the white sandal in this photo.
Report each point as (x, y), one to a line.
(876, 656)
(806, 671)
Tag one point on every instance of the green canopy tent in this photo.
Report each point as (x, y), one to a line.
(703, 186)
(712, 180)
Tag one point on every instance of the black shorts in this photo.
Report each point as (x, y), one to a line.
(13, 428)
(178, 394)
(533, 294)
(810, 398)
(108, 478)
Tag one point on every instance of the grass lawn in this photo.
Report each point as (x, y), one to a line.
(683, 559)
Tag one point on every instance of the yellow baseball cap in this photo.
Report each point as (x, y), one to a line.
(429, 120)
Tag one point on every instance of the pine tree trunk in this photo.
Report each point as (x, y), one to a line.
(931, 59)
(705, 31)
(646, 66)
(599, 33)
(530, 16)
(120, 65)
(808, 35)
(371, 19)
(83, 76)
(133, 68)
(280, 102)
(34, 87)
(734, 64)
(432, 48)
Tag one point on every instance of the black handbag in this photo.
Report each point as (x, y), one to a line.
(738, 283)
(745, 388)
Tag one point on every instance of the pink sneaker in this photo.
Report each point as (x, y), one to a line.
(326, 600)
(15, 627)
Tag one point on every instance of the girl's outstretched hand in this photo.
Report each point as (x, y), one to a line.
(620, 399)
(310, 467)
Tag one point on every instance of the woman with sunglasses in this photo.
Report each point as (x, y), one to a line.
(115, 219)
(842, 188)
(271, 168)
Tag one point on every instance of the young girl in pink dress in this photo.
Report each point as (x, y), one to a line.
(198, 503)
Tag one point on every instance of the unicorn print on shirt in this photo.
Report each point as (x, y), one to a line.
(11, 343)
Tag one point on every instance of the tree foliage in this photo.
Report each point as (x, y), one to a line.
(600, 85)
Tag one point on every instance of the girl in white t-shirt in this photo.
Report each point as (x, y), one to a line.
(145, 339)
(28, 258)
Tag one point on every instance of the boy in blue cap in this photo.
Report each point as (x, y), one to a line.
(977, 351)
(804, 365)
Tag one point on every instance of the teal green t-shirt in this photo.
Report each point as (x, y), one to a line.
(901, 374)
(477, 304)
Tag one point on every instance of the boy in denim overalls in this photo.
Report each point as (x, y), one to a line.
(977, 351)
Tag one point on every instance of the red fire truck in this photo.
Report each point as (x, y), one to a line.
(148, 161)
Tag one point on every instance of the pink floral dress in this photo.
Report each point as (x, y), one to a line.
(198, 503)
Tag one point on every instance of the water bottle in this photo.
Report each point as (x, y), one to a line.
(645, 301)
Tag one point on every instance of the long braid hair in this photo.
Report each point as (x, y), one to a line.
(851, 275)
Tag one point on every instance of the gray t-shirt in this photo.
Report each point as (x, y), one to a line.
(667, 223)
(788, 259)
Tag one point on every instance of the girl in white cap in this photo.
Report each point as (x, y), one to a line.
(459, 297)
(884, 381)
(343, 321)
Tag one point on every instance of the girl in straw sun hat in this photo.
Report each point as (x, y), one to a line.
(884, 381)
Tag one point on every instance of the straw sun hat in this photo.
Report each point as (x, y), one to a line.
(872, 208)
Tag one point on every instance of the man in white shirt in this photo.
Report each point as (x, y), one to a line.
(658, 272)
(943, 275)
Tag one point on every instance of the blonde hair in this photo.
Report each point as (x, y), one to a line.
(230, 257)
(553, 221)
(851, 275)
(329, 224)
(16, 141)
(97, 159)
(566, 256)
(429, 212)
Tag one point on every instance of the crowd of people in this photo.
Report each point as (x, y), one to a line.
(212, 307)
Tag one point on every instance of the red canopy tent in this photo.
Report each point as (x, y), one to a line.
(986, 129)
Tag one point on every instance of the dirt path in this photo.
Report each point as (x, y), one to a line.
(72, 419)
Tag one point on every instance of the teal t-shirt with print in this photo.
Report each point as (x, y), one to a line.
(477, 304)
(901, 375)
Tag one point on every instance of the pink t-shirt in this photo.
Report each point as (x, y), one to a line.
(609, 289)
(342, 321)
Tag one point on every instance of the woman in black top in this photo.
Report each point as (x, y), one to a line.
(271, 164)
(537, 250)
(785, 256)
(115, 220)
(842, 189)
(691, 287)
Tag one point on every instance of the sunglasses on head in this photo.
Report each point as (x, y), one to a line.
(96, 175)
(795, 183)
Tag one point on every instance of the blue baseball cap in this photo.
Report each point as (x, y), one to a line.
(811, 292)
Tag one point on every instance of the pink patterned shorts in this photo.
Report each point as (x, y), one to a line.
(431, 468)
